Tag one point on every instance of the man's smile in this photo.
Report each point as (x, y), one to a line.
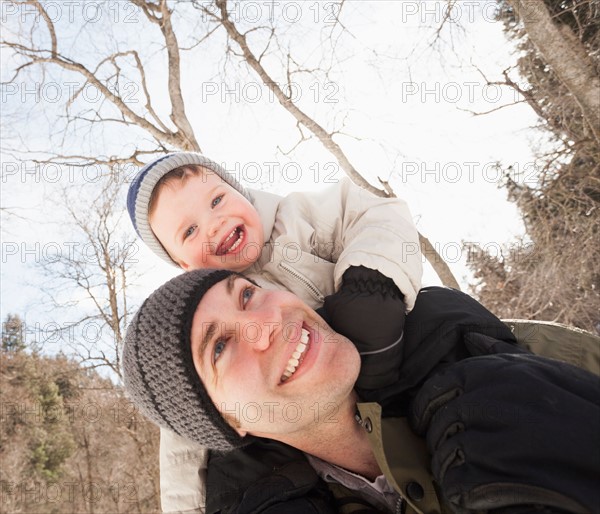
(304, 355)
(297, 357)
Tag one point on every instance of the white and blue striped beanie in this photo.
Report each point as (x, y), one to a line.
(140, 190)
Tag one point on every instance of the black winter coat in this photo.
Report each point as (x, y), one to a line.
(445, 326)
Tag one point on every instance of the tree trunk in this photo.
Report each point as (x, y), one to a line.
(563, 51)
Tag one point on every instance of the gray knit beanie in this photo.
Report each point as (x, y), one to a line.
(145, 181)
(158, 370)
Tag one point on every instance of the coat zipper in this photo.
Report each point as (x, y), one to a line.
(310, 286)
(399, 506)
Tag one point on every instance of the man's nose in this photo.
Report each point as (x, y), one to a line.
(262, 327)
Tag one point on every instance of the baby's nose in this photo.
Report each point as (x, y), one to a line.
(215, 225)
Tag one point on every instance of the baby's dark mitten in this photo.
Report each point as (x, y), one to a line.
(369, 310)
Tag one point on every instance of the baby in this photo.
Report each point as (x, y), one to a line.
(342, 247)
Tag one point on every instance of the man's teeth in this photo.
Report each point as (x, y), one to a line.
(295, 358)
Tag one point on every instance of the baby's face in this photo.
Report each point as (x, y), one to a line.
(203, 222)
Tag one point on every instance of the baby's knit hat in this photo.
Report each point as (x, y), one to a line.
(158, 370)
(145, 181)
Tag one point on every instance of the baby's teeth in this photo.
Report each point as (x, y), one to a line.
(238, 242)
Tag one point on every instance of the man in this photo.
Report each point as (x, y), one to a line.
(218, 360)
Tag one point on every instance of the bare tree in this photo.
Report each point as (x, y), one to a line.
(174, 132)
(99, 264)
(553, 274)
(281, 91)
(566, 55)
(108, 75)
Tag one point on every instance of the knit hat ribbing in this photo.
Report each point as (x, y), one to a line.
(158, 369)
(145, 181)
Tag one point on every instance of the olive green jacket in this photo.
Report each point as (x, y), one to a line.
(406, 465)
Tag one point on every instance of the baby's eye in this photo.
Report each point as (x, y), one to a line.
(218, 349)
(216, 201)
(189, 231)
(247, 293)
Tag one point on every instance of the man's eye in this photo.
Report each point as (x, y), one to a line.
(247, 293)
(189, 232)
(218, 349)
(216, 201)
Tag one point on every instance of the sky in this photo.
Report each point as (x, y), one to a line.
(409, 109)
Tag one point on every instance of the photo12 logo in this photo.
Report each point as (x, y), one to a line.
(271, 412)
(71, 11)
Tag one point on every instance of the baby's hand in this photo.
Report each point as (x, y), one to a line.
(369, 310)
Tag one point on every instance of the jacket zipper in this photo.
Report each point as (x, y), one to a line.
(310, 286)
(399, 506)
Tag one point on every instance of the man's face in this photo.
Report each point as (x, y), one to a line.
(203, 222)
(269, 360)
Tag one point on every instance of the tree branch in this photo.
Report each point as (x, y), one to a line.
(324, 137)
